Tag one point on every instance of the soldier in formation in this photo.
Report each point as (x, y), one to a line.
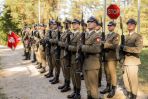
(77, 49)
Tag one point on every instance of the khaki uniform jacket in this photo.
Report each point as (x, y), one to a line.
(92, 46)
(62, 43)
(53, 41)
(75, 38)
(111, 46)
(133, 45)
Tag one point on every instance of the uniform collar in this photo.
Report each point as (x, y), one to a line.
(91, 31)
(75, 31)
(130, 33)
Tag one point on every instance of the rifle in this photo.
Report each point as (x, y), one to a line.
(48, 44)
(121, 52)
(80, 57)
(68, 53)
(58, 49)
(102, 46)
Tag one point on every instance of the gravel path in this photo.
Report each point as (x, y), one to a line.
(21, 80)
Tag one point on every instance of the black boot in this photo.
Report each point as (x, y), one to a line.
(77, 95)
(128, 95)
(66, 87)
(56, 80)
(51, 80)
(34, 58)
(107, 89)
(39, 66)
(42, 70)
(112, 92)
(82, 76)
(133, 96)
(89, 97)
(72, 94)
(48, 75)
(61, 87)
(26, 56)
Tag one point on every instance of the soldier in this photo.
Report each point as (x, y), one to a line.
(27, 44)
(33, 35)
(132, 48)
(36, 42)
(23, 34)
(55, 63)
(76, 77)
(110, 47)
(47, 50)
(91, 63)
(42, 48)
(98, 30)
(64, 60)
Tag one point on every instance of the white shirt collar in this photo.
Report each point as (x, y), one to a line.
(131, 32)
(75, 31)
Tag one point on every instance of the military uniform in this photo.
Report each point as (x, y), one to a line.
(132, 48)
(33, 36)
(48, 54)
(27, 44)
(110, 47)
(55, 61)
(91, 64)
(76, 77)
(42, 49)
(100, 70)
(63, 58)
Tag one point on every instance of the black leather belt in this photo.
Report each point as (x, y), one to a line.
(132, 54)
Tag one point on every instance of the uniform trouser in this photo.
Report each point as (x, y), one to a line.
(91, 82)
(43, 58)
(100, 73)
(28, 52)
(76, 77)
(34, 52)
(110, 71)
(56, 64)
(66, 70)
(130, 78)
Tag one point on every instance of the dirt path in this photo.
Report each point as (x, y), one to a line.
(21, 80)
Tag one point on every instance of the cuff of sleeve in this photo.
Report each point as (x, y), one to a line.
(84, 48)
(124, 48)
(71, 48)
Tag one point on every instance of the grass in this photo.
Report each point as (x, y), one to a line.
(143, 71)
(2, 95)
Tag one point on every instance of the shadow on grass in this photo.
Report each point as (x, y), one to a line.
(2, 95)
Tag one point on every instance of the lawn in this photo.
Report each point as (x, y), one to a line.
(143, 71)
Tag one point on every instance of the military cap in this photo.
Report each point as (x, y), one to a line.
(132, 21)
(111, 23)
(92, 19)
(67, 21)
(76, 21)
(43, 25)
(53, 22)
(35, 25)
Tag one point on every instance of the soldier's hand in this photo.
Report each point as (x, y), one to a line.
(80, 48)
(122, 47)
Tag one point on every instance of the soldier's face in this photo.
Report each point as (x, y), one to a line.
(98, 27)
(131, 27)
(75, 26)
(91, 25)
(54, 26)
(111, 28)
